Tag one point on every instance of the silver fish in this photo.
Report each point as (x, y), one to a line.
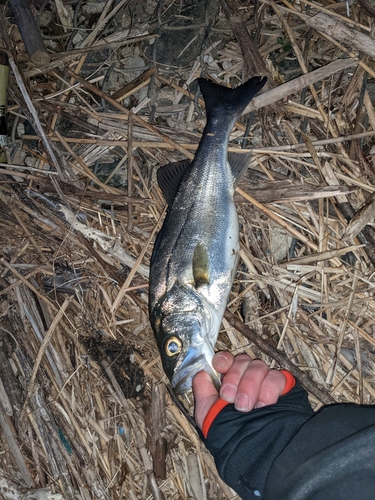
(195, 254)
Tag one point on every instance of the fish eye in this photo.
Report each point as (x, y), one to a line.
(172, 346)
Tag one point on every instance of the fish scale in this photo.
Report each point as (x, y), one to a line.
(196, 251)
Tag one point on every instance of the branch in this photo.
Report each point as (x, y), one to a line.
(280, 357)
(298, 84)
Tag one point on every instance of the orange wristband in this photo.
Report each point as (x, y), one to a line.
(213, 412)
(290, 382)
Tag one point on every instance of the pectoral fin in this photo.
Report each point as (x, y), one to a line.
(201, 271)
(169, 178)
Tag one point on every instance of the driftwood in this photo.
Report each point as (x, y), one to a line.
(298, 84)
(156, 423)
(343, 33)
(285, 191)
(30, 32)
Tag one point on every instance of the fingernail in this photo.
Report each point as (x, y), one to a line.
(228, 392)
(220, 361)
(260, 404)
(242, 402)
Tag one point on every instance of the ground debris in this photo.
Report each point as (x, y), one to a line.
(84, 404)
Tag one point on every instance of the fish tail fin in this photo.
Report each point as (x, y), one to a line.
(230, 101)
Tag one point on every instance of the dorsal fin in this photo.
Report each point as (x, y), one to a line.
(201, 271)
(238, 164)
(169, 178)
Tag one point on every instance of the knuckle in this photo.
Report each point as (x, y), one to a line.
(277, 378)
(234, 374)
(269, 395)
(258, 362)
(243, 358)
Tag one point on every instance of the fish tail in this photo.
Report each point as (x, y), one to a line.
(232, 102)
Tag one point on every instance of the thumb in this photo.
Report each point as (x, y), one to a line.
(205, 395)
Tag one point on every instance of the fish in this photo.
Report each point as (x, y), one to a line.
(195, 253)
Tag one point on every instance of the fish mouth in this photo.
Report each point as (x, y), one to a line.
(193, 363)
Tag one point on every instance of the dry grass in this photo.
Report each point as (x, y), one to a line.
(85, 408)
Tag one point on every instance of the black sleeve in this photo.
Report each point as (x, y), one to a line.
(244, 445)
(286, 452)
(331, 457)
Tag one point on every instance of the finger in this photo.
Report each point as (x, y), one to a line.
(222, 361)
(250, 385)
(271, 389)
(233, 376)
(205, 395)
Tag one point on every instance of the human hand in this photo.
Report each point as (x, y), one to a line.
(247, 382)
